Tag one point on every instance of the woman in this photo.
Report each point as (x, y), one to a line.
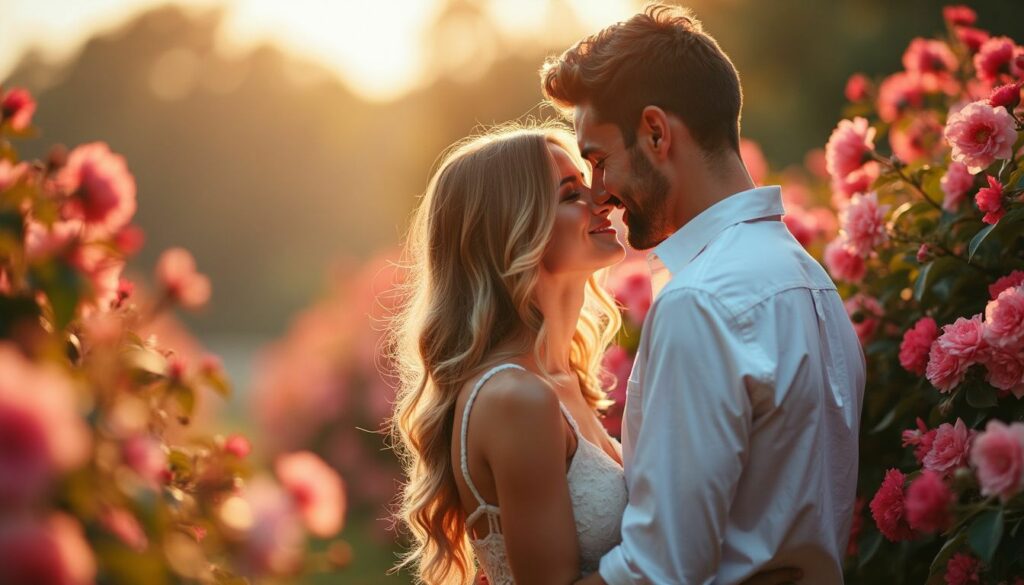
(500, 346)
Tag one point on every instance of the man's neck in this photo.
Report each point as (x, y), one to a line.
(709, 186)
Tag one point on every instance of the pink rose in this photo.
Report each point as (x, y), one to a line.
(899, 92)
(1005, 369)
(858, 181)
(994, 58)
(858, 87)
(630, 284)
(918, 138)
(955, 184)
(920, 438)
(864, 312)
(1011, 280)
(934, 62)
(753, 159)
(980, 135)
(888, 510)
(954, 352)
(176, 273)
(1004, 319)
(102, 186)
(1006, 96)
(863, 224)
(929, 500)
(17, 107)
(950, 448)
(801, 224)
(50, 552)
(963, 569)
(972, 38)
(849, 147)
(842, 262)
(998, 457)
(40, 429)
(317, 490)
(990, 201)
(959, 15)
(917, 342)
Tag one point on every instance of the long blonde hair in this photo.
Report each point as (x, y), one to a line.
(474, 253)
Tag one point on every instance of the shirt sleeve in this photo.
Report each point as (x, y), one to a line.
(692, 445)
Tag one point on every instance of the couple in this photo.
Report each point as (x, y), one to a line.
(739, 458)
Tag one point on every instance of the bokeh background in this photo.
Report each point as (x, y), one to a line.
(285, 145)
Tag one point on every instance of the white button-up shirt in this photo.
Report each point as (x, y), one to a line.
(742, 411)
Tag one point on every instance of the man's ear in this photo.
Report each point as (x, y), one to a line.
(654, 132)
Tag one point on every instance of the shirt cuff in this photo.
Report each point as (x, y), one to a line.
(614, 570)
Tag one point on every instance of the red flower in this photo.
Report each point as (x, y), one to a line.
(238, 446)
(917, 341)
(858, 87)
(920, 438)
(176, 272)
(959, 15)
(963, 569)
(888, 510)
(18, 107)
(899, 92)
(50, 552)
(972, 38)
(928, 503)
(1006, 96)
(1011, 280)
(102, 186)
(990, 201)
(995, 58)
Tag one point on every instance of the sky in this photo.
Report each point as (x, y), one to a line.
(375, 46)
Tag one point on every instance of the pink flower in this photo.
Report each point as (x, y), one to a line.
(103, 188)
(18, 107)
(998, 457)
(842, 262)
(898, 93)
(41, 432)
(1004, 319)
(1011, 280)
(972, 38)
(959, 15)
(102, 271)
(145, 456)
(618, 365)
(264, 518)
(955, 184)
(238, 446)
(888, 510)
(859, 181)
(963, 569)
(317, 489)
(753, 159)
(858, 87)
(863, 224)
(801, 224)
(122, 524)
(950, 448)
(176, 272)
(11, 173)
(1005, 370)
(934, 62)
(1006, 96)
(928, 503)
(917, 341)
(980, 134)
(50, 552)
(954, 352)
(917, 138)
(994, 58)
(849, 147)
(920, 438)
(630, 284)
(129, 240)
(864, 312)
(990, 200)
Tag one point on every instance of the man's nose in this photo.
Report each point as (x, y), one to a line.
(600, 194)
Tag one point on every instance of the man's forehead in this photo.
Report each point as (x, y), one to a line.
(589, 134)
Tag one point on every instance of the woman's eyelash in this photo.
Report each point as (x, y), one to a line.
(571, 196)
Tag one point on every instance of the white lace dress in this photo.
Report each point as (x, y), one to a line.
(597, 487)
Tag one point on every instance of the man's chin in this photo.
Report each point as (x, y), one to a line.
(640, 238)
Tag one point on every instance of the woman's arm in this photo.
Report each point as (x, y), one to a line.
(526, 446)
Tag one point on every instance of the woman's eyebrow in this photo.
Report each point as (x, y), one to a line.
(567, 179)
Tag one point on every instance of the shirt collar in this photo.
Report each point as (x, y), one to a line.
(686, 243)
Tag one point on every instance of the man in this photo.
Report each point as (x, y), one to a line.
(743, 408)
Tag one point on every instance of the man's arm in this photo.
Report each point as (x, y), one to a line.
(692, 447)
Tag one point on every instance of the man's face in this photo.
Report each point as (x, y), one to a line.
(624, 177)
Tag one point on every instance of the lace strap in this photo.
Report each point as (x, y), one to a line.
(568, 417)
(464, 459)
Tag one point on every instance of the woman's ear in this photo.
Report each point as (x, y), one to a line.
(655, 133)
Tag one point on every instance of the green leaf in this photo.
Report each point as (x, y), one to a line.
(869, 545)
(185, 396)
(978, 239)
(982, 396)
(985, 533)
(938, 566)
(921, 284)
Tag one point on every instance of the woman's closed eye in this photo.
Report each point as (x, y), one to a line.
(571, 196)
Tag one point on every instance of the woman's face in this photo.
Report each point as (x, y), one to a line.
(583, 239)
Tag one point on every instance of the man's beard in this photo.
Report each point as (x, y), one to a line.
(647, 222)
